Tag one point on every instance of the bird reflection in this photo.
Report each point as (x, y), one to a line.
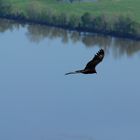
(90, 67)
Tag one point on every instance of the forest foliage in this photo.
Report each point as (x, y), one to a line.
(120, 25)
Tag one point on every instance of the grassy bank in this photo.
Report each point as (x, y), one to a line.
(115, 17)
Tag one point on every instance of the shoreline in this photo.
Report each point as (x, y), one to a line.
(84, 17)
(66, 27)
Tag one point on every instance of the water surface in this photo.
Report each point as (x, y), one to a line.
(38, 102)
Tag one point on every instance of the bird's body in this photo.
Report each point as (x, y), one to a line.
(90, 67)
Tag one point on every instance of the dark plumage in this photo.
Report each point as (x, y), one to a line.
(90, 67)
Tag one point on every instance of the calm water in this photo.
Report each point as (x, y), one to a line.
(38, 102)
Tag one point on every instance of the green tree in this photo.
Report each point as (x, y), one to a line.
(5, 7)
(125, 25)
(86, 20)
(100, 23)
(73, 21)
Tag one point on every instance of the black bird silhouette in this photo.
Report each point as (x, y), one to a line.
(90, 67)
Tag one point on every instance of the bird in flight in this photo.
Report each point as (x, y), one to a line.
(90, 67)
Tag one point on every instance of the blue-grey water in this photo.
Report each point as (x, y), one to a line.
(38, 102)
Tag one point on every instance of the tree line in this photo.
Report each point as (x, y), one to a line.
(122, 26)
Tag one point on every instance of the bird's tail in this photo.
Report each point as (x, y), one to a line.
(75, 72)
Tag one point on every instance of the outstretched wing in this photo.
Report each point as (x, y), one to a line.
(96, 60)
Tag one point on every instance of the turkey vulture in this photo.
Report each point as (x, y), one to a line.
(90, 67)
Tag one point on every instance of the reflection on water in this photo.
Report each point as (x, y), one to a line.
(119, 46)
(37, 102)
(36, 33)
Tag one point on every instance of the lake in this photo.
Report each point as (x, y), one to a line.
(39, 102)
